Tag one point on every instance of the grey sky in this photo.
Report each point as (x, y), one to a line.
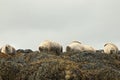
(25, 23)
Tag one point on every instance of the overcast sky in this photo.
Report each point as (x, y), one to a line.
(26, 23)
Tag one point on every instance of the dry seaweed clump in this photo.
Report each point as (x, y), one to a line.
(9, 70)
(109, 74)
(92, 64)
(52, 69)
(67, 66)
